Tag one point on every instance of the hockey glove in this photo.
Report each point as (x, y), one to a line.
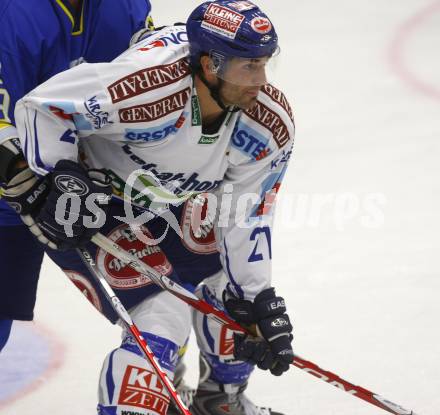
(63, 209)
(26, 193)
(272, 348)
(76, 206)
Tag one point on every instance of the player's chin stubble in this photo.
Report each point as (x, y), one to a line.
(238, 98)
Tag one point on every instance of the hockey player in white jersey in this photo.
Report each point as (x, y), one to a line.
(191, 106)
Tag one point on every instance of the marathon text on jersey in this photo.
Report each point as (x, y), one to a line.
(184, 182)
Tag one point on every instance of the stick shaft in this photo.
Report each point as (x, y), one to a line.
(129, 324)
(350, 388)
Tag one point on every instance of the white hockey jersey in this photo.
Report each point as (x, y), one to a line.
(142, 111)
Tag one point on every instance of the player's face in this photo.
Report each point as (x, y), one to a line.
(242, 81)
(243, 97)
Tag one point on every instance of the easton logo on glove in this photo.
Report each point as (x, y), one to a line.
(277, 304)
(273, 350)
(69, 184)
(71, 210)
(25, 192)
(279, 322)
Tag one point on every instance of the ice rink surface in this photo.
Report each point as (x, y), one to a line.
(356, 249)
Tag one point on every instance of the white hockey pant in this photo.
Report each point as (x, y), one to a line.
(129, 386)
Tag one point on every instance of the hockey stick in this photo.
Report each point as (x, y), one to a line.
(129, 324)
(205, 308)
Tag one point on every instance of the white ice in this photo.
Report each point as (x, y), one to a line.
(357, 241)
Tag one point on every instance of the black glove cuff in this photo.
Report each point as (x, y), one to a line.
(27, 193)
(265, 305)
(241, 311)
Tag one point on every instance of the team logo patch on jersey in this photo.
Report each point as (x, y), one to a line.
(270, 120)
(206, 245)
(155, 110)
(142, 388)
(147, 80)
(222, 20)
(122, 276)
(261, 25)
(70, 184)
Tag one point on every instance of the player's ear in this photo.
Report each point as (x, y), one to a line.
(206, 66)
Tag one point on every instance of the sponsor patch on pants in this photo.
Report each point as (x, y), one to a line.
(142, 388)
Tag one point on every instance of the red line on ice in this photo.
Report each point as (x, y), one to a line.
(57, 351)
(402, 36)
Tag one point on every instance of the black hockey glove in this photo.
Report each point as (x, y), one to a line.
(273, 350)
(26, 193)
(64, 209)
(22, 190)
(76, 206)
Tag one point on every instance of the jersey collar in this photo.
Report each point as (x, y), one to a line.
(76, 17)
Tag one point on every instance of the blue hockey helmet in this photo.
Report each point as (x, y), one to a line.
(229, 28)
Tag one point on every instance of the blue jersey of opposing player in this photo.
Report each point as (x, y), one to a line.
(40, 38)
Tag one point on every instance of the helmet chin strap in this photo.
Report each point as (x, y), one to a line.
(215, 93)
